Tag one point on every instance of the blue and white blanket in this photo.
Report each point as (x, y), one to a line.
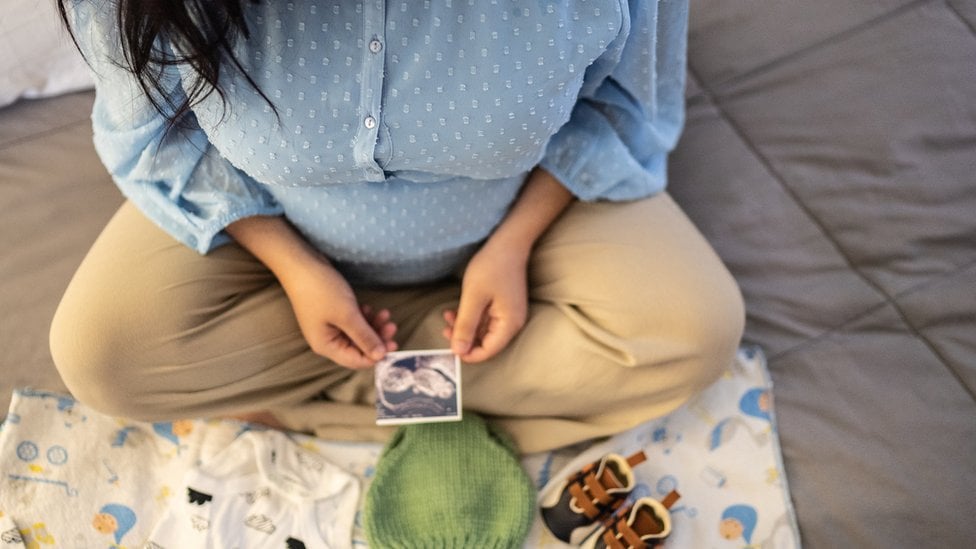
(71, 477)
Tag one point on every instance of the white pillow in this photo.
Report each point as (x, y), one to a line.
(37, 57)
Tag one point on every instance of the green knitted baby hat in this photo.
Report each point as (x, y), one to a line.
(449, 486)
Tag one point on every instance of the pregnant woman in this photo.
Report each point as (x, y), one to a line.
(313, 184)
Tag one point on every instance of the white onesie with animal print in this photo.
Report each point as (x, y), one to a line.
(263, 490)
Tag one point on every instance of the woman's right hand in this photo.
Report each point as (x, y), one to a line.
(331, 319)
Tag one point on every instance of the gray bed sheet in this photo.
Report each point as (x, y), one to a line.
(55, 197)
(829, 156)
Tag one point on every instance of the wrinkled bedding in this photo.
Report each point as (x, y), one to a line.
(829, 156)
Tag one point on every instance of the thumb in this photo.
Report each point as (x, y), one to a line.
(363, 336)
(468, 320)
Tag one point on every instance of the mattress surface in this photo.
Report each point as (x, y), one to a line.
(828, 155)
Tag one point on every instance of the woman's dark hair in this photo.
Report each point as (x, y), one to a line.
(202, 32)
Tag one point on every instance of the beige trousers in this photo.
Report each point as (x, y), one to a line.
(631, 313)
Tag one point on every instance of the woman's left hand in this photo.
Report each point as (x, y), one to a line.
(494, 303)
(494, 291)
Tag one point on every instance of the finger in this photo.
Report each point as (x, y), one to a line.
(341, 350)
(469, 318)
(382, 316)
(363, 337)
(450, 317)
(387, 331)
(380, 319)
(496, 338)
(350, 357)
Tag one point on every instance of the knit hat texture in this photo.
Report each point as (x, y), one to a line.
(449, 485)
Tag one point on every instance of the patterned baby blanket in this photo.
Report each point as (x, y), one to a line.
(71, 477)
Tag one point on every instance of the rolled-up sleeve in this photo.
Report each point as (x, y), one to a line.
(172, 174)
(630, 110)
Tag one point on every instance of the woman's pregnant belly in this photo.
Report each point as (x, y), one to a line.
(398, 232)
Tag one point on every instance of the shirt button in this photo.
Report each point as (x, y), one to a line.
(369, 122)
(375, 45)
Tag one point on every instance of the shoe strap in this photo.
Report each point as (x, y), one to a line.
(612, 537)
(589, 492)
(588, 499)
(670, 499)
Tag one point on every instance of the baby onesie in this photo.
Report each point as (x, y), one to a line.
(10, 536)
(263, 490)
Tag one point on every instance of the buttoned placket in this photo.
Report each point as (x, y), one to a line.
(374, 23)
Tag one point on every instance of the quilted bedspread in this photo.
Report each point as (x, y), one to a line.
(829, 156)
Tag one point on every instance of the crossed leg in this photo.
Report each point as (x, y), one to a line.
(631, 314)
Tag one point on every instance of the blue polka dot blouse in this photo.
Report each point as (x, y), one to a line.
(404, 128)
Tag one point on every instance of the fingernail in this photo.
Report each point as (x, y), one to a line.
(378, 352)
